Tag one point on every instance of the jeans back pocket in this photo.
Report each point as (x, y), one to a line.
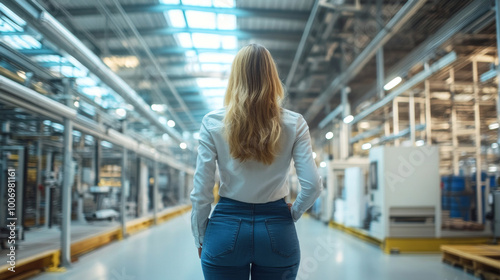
(221, 235)
(283, 236)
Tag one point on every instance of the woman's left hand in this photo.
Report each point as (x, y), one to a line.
(289, 206)
(199, 252)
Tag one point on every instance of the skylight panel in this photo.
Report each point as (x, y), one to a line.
(208, 41)
(176, 18)
(170, 2)
(211, 67)
(185, 40)
(213, 92)
(214, 67)
(9, 26)
(190, 53)
(209, 57)
(192, 68)
(34, 43)
(197, 19)
(19, 21)
(69, 71)
(226, 22)
(95, 91)
(11, 42)
(86, 82)
(203, 3)
(229, 42)
(215, 102)
(49, 58)
(22, 42)
(5, 27)
(211, 83)
(224, 3)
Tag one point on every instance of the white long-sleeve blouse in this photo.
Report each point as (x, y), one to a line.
(252, 181)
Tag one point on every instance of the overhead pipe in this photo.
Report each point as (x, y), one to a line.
(56, 32)
(153, 60)
(416, 79)
(26, 98)
(162, 98)
(31, 96)
(366, 134)
(392, 27)
(426, 49)
(332, 115)
(302, 43)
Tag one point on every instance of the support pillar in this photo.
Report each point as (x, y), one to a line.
(497, 17)
(345, 128)
(182, 186)
(48, 170)
(125, 186)
(395, 120)
(411, 104)
(38, 175)
(68, 173)
(454, 128)
(66, 194)
(428, 117)
(477, 125)
(155, 192)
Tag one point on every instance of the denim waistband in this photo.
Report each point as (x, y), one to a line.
(225, 200)
(231, 207)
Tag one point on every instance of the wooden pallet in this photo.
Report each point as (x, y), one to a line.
(481, 260)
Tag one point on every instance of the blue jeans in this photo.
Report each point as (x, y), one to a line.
(245, 238)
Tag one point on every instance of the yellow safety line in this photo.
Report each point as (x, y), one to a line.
(410, 245)
(50, 259)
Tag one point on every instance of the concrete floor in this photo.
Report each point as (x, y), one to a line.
(168, 252)
(38, 240)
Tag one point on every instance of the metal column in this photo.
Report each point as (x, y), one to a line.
(302, 43)
(38, 175)
(477, 125)
(454, 138)
(428, 120)
(395, 120)
(21, 188)
(155, 192)
(48, 169)
(67, 181)
(344, 133)
(66, 194)
(497, 17)
(97, 161)
(380, 55)
(125, 186)
(182, 186)
(411, 105)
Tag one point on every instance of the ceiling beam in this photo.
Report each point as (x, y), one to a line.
(161, 8)
(240, 33)
(181, 50)
(276, 53)
(393, 26)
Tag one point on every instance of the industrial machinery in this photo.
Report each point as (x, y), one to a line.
(494, 214)
(405, 192)
(355, 197)
(103, 209)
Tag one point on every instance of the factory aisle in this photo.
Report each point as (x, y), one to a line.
(168, 252)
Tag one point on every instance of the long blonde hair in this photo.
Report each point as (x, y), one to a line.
(253, 106)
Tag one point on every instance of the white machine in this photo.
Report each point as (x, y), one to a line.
(405, 192)
(355, 199)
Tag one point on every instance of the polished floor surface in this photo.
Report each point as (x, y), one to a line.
(39, 240)
(167, 252)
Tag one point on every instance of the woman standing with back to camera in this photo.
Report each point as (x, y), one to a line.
(253, 140)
